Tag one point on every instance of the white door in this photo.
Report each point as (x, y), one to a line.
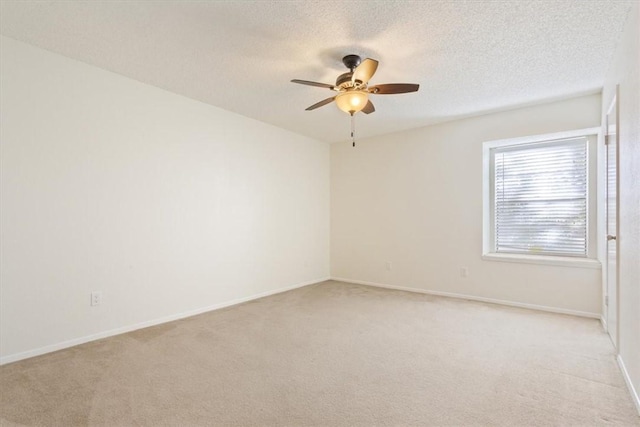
(611, 298)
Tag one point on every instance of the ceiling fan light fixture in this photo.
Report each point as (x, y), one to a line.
(352, 101)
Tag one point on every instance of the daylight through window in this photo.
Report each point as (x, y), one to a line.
(539, 199)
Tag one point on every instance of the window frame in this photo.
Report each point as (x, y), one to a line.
(488, 229)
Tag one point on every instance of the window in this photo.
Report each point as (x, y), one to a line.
(538, 198)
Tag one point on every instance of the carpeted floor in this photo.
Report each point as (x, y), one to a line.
(332, 354)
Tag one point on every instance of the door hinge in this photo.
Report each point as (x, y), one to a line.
(606, 140)
(606, 300)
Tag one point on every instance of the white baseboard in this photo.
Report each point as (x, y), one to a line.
(77, 341)
(627, 379)
(603, 322)
(475, 298)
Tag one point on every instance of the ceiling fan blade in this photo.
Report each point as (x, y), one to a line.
(393, 88)
(365, 70)
(308, 83)
(369, 108)
(320, 104)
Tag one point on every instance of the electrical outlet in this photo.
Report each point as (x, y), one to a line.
(96, 298)
(389, 265)
(464, 272)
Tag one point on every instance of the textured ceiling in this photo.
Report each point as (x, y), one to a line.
(468, 56)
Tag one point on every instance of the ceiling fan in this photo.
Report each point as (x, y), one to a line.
(353, 89)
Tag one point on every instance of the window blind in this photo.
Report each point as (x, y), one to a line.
(540, 195)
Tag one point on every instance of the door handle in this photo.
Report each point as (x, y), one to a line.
(610, 237)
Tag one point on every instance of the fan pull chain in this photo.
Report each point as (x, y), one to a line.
(353, 129)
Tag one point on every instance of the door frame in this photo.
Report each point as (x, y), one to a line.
(614, 104)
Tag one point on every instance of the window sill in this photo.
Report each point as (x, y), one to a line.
(544, 260)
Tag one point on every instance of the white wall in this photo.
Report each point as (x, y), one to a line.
(165, 204)
(625, 71)
(415, 199)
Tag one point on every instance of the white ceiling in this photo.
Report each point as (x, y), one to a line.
(469, 57)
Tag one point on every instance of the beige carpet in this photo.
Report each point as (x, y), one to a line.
(332, 354)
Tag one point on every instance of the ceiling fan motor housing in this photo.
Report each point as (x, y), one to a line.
(344, 80)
